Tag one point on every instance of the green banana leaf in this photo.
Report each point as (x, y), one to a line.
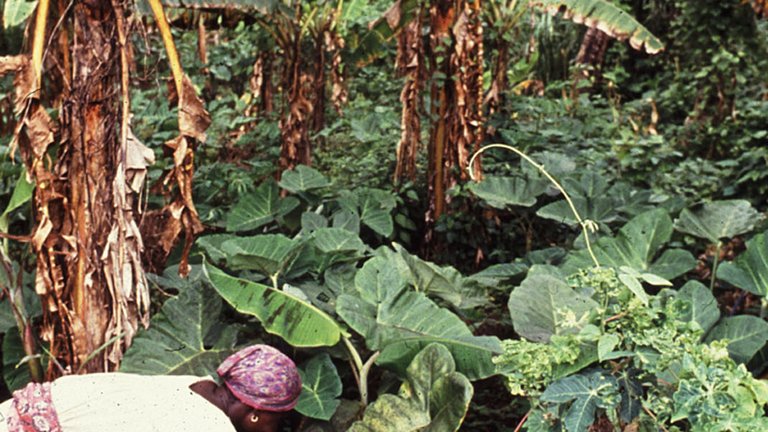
(606, 17)
(297, 321)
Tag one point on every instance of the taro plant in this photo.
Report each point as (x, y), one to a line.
(329, 292)
(750, 270)
(718, 220)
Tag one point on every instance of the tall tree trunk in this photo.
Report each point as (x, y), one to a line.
(409, 65)
(295, 148)
(89, 273)
(318, 111)
(456, 99)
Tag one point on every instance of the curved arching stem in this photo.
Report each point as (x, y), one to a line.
(586, 224)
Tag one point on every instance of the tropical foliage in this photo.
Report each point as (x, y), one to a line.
(317, 183)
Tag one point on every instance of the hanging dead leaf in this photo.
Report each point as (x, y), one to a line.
(194, 120)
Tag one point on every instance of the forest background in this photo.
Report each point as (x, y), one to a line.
(181, 178)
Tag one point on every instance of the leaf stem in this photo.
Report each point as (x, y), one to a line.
(586, 225)
(358, 369)
(714, 267)
(364, 377)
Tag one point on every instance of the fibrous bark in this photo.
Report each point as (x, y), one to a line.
(409, 65)
(456, 36)
(89, 274)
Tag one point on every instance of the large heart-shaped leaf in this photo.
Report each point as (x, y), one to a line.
(303, 179)
(433, 398)
(175, 342)
(374, 206)
(718, 220)
(320, 388)
(336, 245)
(212, 245)
(255, 209)
(589, 194)
(473, 355)
(750, 270)
(746, 335)
(376, 210)
(701, 305)
(539, 306)
(385, 312)
(600, 209)
(268, 254)
(445, 282)
(501, 192)
(635, 246)
(297, 321)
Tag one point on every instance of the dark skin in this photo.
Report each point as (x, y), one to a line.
(242, 416)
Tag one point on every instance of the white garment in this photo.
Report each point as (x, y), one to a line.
(119, 402)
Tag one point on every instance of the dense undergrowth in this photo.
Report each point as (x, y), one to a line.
(654, 321)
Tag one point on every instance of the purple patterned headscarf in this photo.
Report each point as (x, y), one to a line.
(262, 377)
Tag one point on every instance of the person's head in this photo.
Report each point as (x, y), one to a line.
(263, 384)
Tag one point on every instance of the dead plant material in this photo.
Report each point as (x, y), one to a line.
(334, 44)
(410, 51)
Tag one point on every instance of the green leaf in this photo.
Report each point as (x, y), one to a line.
(347, 220)
(311, 222)
(608, 18)
(303, 179)
(443, 282)
(750, 269)
(473, 355)
(174, 344)
(382, 30)
(212, 245)
(635, 286)
(255, 209)
(635, 246)
(338, 240)
(606, 344)
(598, 209)
(746, 335)
(336, 245)
(500, 192)
(268, 254)
(320, 388)
(376, 210)
(16, 12)
(385, 312)
(23, 190)
(701, 305)
(539, 306)
(433, 398)
(15, 375)
(298, 322)
(588, 393)
(718, 220)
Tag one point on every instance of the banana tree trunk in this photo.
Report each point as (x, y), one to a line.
(456, 37)
(591, 56)
(296, 119)
(410, 52)
(89, 272)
